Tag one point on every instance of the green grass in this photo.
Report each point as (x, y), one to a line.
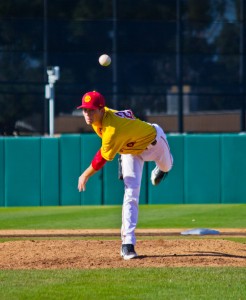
(150, 283)
(168, 283)
(150, 216)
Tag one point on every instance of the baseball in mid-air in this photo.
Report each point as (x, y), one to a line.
(104, 60)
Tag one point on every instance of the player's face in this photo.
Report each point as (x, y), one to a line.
(92, 116)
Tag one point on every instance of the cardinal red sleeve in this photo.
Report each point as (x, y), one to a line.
(98, 161)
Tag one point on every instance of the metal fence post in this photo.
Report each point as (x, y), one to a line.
(179, 67)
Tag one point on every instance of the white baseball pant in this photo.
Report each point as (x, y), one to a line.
(132, 169)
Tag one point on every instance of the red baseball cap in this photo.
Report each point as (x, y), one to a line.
(92, 100)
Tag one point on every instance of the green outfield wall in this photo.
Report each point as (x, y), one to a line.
(42, 171)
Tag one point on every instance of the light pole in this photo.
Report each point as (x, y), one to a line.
(53, 76)
(114, 54)
(179, 66)
(242, 70)
(45, 58)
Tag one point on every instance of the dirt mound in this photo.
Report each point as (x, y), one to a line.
(92, 254)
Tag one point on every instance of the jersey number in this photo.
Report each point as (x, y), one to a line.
(125, 114)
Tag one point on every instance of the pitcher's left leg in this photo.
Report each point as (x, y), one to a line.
(132, 167)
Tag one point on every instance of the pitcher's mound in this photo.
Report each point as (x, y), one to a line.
(82, 254)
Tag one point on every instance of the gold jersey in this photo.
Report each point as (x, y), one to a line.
(122, 133)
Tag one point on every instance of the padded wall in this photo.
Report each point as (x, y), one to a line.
(233, 168)
(44, 171)
(50, 171)
(172, 189)
(202, 169)
(22, 171)
(93, 195)
(70, 161)
(2, 171)
(113, 188)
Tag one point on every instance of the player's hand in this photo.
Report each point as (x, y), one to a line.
(84, 178)
(82, 183)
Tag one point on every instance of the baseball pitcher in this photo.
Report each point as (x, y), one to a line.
(136, 141)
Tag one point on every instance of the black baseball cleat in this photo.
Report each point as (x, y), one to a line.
(128, 252)
(157, 176)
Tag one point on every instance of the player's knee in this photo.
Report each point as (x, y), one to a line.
(132, 194)
(168, 168)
